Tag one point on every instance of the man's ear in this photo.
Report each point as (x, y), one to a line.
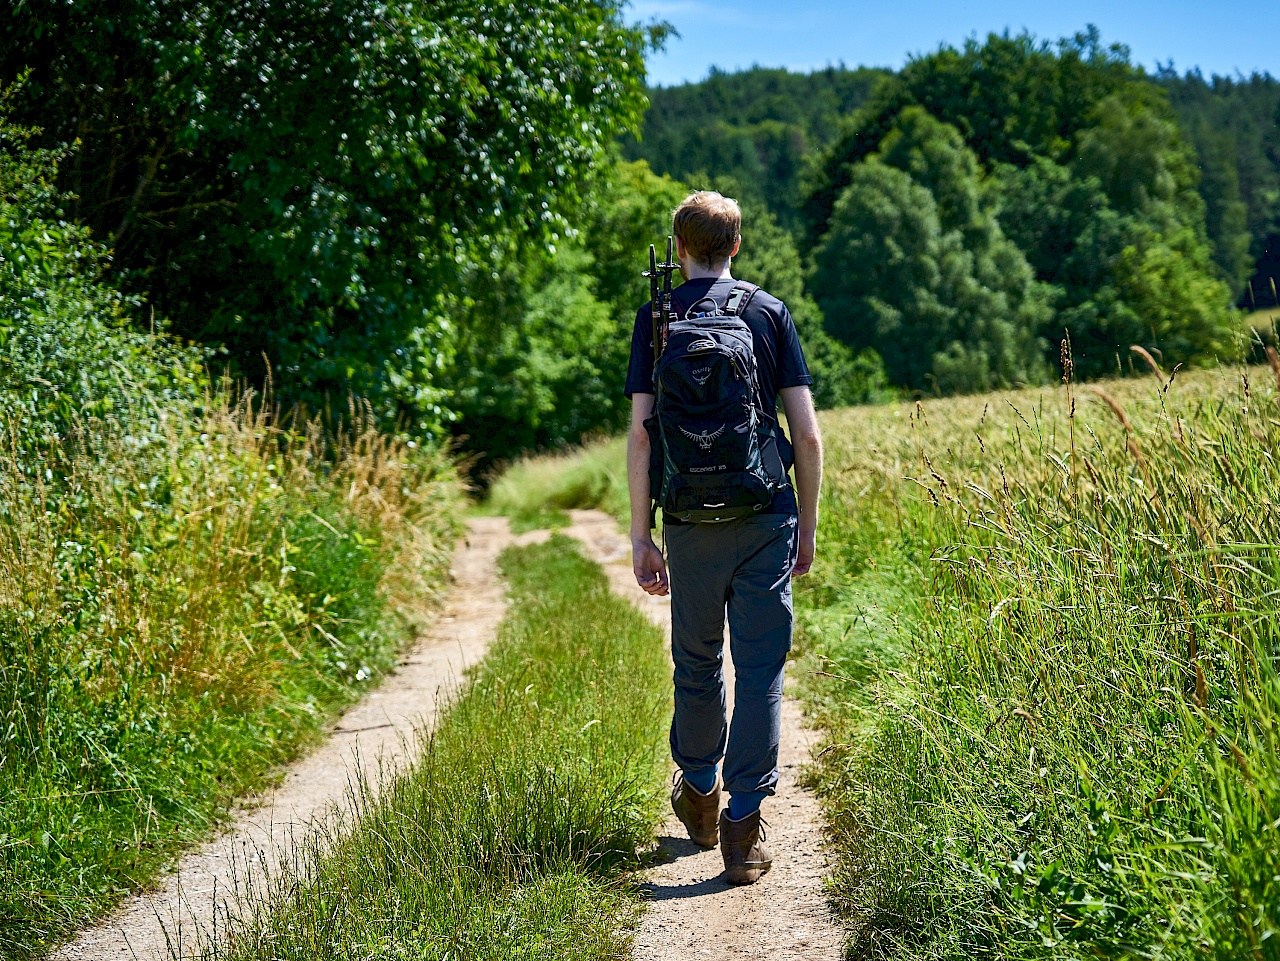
(681, 253)
(736, 244)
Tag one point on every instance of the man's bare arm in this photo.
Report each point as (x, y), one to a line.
(802, 420)
(646, 560)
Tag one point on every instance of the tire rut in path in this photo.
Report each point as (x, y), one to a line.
(693, 912)
(373, 739)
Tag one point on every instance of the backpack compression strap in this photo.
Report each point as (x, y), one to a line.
(739, 297)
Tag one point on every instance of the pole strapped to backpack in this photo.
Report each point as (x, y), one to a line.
(660, 317)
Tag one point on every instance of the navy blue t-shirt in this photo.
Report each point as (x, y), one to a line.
(779, 357)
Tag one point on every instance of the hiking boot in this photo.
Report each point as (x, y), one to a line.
(697, 811)
(745, 857)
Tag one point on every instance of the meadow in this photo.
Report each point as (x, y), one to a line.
(536, 491)
(1041, 642)
(187, 597)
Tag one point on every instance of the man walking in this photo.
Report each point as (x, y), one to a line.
(741, 565)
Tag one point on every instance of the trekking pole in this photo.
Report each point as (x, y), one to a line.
(667, 268)
(652, 274)
(660, 301)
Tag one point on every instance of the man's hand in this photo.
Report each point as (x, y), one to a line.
(649, 567)
(808, 546)
(802, 421)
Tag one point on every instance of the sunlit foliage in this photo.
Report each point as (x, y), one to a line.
(305, 182)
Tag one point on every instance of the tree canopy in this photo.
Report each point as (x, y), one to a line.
(431, 205)
(1078, 167)
(915, 265)
(71, 346)
(1234, 124)
(313, 182)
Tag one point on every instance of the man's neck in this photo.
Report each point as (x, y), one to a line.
(694, 271)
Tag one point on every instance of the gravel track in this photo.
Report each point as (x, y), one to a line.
(693, 912)
(375, 738)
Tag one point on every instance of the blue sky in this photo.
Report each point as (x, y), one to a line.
(1219, 36)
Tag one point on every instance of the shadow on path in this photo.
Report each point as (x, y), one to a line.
(656, 891)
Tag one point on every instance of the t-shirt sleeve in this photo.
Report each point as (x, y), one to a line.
(793, 370)
(640, 370)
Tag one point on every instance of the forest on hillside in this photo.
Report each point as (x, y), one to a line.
(763, 126)
(983, 203)
(447, 218)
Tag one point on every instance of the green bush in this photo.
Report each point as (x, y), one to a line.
(306, 180)
(540, 360)
(69, 346)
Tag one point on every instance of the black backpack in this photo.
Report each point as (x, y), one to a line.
(715, 440)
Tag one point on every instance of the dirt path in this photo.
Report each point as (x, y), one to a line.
(694, 913)
(373, 738)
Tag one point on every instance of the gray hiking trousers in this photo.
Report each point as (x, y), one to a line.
(743, 566)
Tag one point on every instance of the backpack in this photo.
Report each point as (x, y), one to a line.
(714, 439)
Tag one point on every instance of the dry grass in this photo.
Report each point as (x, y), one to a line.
(183, 601)
(535, 490)
(1048, 624)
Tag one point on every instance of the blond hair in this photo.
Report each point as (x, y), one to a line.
(708, 224)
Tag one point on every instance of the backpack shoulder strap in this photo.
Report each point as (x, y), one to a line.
(739, 297)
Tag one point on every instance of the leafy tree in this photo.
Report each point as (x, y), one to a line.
(630, 210)
(543, 337)
(69, 350)
(1091, 175)
(1128, 199)
(841, 376)
(1012, 99)
(314, 182)
(633, 209)
(1172, 299)
(540, 360)
(915, 265)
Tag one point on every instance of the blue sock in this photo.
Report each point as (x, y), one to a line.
(744, 803)
(703, 779)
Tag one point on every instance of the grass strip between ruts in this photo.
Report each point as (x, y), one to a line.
(537, 788)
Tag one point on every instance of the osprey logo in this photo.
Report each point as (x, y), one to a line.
(702, 375)
(705, 439)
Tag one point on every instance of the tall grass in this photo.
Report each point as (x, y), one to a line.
(1050, 635)
(184, 600)
(535, 492)
(538, 784)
